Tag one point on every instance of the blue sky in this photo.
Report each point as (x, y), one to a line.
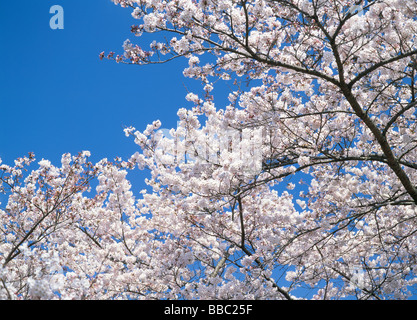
(57, 96)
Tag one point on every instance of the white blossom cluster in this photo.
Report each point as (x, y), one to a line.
(305, 179)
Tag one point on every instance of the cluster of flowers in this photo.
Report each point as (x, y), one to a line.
(331, 89)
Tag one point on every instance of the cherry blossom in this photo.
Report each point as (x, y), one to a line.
(302, 186)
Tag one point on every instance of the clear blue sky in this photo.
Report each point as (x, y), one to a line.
(57, 96)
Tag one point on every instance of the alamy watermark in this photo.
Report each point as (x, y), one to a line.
(357, 278)
(57, 20)
(239, 149)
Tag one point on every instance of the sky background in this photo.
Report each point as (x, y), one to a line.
(57, 96)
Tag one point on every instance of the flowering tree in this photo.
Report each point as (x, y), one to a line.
(329, 99)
